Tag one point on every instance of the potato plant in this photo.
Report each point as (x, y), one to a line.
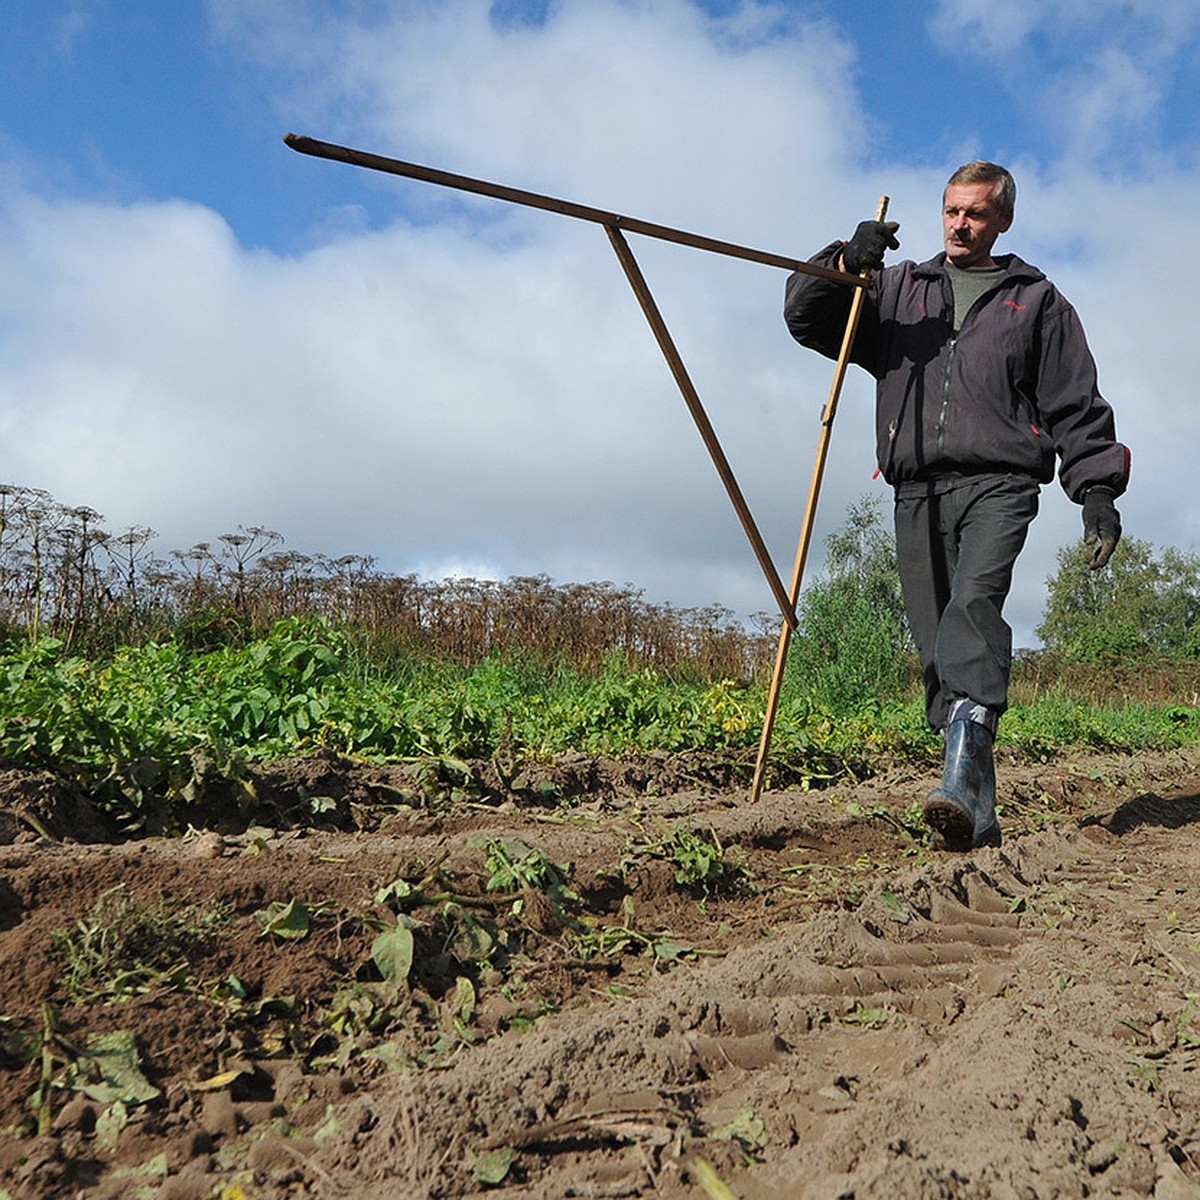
(148, 730)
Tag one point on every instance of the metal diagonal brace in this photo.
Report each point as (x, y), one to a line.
(691, 398)
(567, 208)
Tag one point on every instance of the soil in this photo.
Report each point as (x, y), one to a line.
(843, 1012)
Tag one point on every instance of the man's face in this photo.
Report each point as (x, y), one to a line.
(972, 223)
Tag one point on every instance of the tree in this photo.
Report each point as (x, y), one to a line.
(852, 646)
(1141, 602)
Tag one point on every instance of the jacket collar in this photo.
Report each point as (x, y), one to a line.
(1013, 268)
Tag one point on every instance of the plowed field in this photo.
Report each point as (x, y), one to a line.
(843, 1013)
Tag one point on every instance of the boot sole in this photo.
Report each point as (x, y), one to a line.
(989, 837)
(953, 827)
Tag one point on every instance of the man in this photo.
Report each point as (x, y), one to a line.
(984, 381)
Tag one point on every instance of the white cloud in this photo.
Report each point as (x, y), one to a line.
(1095, 71)
(644, 107)
(471, 385)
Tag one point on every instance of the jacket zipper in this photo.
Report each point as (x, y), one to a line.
(944, 413)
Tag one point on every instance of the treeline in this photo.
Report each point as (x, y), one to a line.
(1130, 631)
(63, 574)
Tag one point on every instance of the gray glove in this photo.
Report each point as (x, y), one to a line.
(865, 250)
(1101, 525)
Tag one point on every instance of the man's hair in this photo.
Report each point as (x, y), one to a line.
(979, 171)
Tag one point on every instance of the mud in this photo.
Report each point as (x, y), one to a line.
(842, 1013)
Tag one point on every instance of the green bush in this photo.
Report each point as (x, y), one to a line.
(851, 650)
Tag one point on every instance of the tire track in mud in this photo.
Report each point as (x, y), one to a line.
(1014, 1023)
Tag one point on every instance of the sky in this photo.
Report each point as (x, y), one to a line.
(201, 329)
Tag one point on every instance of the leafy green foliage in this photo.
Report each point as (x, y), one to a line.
(1142, 602)
(851, 649)
(1057, 719)
(699, 860)
(288, 920)
(512, 866)
(151, 731)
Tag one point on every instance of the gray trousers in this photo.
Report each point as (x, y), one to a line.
(956, 545)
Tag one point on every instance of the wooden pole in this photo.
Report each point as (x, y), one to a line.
(810, 512)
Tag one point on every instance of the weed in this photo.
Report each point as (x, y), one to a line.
(122, 948)
(701, 863)
(868, 1018)
(834, 882)
(514, 866)
(613, 941)
(1049, 904)
(291, 920)
(910, 823)
(747, 1130)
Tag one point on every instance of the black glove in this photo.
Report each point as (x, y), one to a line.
(1101, 525)
(865, 250)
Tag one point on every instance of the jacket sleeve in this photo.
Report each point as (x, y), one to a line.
(1077, 417)
(816, 310)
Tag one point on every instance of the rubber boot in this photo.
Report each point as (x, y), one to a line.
(962, 812)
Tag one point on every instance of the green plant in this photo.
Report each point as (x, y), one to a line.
(290, 920)
(1145, 602)
(699, 860)
(122, 948)
(702, 862)
(613, 941)
(851, 649)
(868, 1018)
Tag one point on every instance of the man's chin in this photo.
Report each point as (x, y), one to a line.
(964, 257)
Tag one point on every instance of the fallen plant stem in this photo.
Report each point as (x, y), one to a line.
(494, 901)
(622, 1124)
(714, 1186)
(583, 964)
(45, 1115)
(36, 826)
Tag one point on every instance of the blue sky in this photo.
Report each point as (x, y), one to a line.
(126, 99)
(371, 365)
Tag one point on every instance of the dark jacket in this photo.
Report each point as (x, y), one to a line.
(1014, 389)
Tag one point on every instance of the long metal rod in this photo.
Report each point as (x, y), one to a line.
(638, 282)
(567, 208)
(810, 513)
